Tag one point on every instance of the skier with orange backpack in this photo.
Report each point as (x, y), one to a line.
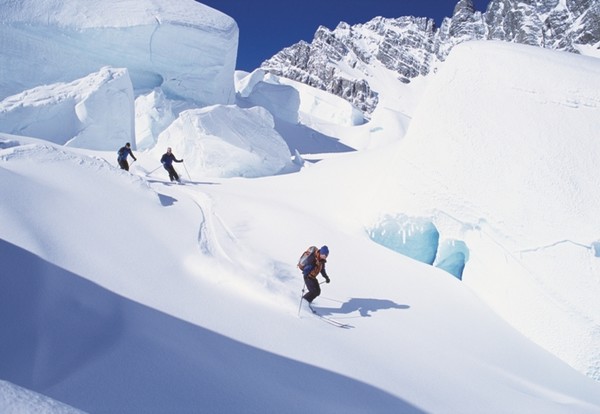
(312, 263)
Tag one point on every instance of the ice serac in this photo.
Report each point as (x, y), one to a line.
(226, 141)
(185, 47)
(94, 112)
(293, 101)
(340, 61)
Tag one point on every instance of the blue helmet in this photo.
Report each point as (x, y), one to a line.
(324, 251)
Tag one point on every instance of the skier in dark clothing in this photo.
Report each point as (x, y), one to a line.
(315, 264)
(167, 162)
(122, 156)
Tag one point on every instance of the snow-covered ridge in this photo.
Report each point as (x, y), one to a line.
(340, 61)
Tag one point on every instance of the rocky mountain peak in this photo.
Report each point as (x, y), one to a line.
(338, 60)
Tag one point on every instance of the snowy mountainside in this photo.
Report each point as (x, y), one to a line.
(531, 219)
(216, 260)
(126, 292)
(339, 60)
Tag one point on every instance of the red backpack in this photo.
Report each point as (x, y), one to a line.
(306, 256)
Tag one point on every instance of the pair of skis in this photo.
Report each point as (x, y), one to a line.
(329, 320)
(320, 316)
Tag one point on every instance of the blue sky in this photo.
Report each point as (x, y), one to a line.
(267, 26)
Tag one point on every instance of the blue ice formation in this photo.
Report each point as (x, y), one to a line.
(418, 238)
(452, 255)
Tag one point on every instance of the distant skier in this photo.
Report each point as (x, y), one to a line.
(167, 162)
(122, 156)
(312, 263)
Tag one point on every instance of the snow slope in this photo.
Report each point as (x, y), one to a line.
(16, 400)
(213, 265)
(531, 219)
(123, 292)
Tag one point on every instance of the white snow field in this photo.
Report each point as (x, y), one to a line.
(122, 292)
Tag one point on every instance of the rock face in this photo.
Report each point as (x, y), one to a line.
(337, 60)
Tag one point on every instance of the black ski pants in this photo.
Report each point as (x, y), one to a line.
(173, 176)
(314, 288)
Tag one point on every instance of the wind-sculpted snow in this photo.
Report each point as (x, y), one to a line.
(184, 47)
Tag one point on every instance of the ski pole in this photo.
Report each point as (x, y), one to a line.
(154, 170)
(188, 174)
(301, 297)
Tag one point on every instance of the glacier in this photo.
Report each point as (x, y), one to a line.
(186, 48)
(94, 112)
(532, 218)
(483, 171)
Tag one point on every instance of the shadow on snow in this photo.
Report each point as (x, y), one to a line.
(362, 305)
(74, 341)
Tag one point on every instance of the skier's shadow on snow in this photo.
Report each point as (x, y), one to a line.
(365, 306)
(166, 200)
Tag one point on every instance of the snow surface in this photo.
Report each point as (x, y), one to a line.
(533, 217)
(123, 292)
(16, 400)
